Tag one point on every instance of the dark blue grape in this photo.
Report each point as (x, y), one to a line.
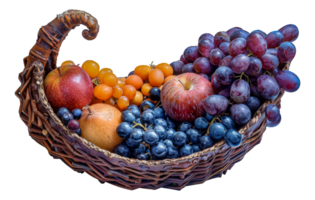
(184, 126)
(254, 92)
(160, 130)
(137, 135)
(217, 131)
(193, 135)
(205, 142)
(131, 73)
(172, 152)
(215, 56)
(207, 36)
(159, 150)
(170, 134)
(159, 112)
(226, 61)
(161, 122)
(132, 107)
(180, 138)
(147, 118)
(131, 143)
(221, 37)
(122, 150)
(217, 87)
(61, 112)
(186, 150)
(208, 117)
(146, 105)
(233, 138)
(66, 118)
(78, 132)
(225, 92)
(155, 94)
(240, 63)
(202, 65)
(124, 130)
(195, 148)
(170, 124)
(141, 148)
(141, 156)
(224, 47)
(151, 137)
(286, 52)
(201, 123)
(135, 111)
(257, 44)
(128, 116)
(168, 143)
(228, 122)
(77, 113)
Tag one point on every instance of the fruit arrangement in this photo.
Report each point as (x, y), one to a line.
(174, 110)
(166, 125)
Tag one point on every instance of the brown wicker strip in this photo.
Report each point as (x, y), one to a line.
(82, 156)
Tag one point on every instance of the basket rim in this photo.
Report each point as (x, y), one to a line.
(43, 99)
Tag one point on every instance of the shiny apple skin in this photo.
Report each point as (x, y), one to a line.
(185, 104)
(68, 86)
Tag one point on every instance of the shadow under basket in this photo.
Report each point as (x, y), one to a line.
(82, 156)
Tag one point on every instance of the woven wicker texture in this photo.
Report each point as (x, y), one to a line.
(82, 156)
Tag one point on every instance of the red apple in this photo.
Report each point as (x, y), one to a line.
(183, 95)
(68, 86)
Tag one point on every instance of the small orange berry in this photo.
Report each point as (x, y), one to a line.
(146, 88)
(168, 78)
(67, 62)
(103, 72)
(91, 68)
(129, 91)
(165, 68)
(137, 99)
(110, 101)
(122, 102)
(103, 92)
(109, 79)
(134, 80)
(143, 71)
(156, 77)
(117, 91)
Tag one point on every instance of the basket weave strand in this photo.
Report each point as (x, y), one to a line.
(82, 156)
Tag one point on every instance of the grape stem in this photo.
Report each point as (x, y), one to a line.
(267, 72)
(137, 124)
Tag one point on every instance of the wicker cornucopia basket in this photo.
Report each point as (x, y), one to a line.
(82, 156)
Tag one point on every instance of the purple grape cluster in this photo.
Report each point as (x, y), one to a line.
(70, 119)
(244, 69)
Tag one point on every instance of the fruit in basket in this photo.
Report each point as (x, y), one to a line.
(257, 44)
(165, 68)
(103, 92)
(67, 62)
(109, 79)
(272, 113)
(155, 94)
(77, 113)
(286, 52)
(233, 138)
(73, 125)
(186, 150)
(68, 86)
(137, 100)
(240, 114)
(135, 81)
(156, 77)
(177, 67)
(98, 125)
(290, 32)
(267, 87)
(66, 118)
(215, 104)
(143, 71)
(104, 71)
(129, 91)
(123, 102)
(92, 68)
(182, 96)
(288, 81)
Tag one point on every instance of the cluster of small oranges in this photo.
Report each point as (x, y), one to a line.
(122, 92)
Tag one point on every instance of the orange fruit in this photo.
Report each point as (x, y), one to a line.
(68, 62)
(123, 102)
(110, 101)
(121, 82)
(168, 78)
(129, 91)
(137, 99)
(91, 68)
(165, 68)
(98, 125)
(103, 92)
(103, 72)
(156, 77)
(143, 71)
(146, 88)
(134, 80)
(117, 91)
(109, 79)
